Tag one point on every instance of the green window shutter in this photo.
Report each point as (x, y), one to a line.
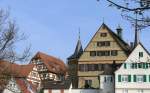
(125, 65)
(146, 65)
(134, 78)
(119, 78)
(129, 78)
(149, 78)
(144, 78)
(135, 65)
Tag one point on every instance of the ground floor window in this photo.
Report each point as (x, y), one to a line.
(125, 90)
(140, 91)
(88, 83)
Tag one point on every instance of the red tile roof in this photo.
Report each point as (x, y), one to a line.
(15, 69)
(54, 64)
(19, 72)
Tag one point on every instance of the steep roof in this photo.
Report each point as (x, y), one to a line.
(53, 64)
(119, 41)
(78, 51)
(15, 69)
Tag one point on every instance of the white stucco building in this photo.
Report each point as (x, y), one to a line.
(134, 74)
(106, 84)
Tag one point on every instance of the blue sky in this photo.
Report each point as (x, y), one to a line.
(52, 26)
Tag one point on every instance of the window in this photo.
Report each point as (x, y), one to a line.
(140, 54)
(100, 66)
(103, 53)
(81, 67)
(91, 67)
(125, 65)
(103, 34)
(140, 91)
(125, 91)
(139, 65)
(88, 82)
(108, 79)
(141, 78)
(100, 53)
(93, 53)
(96, 67)
(88, 67)
(119, 78)
(149, 78)
(124, 78)
(114, 52)
(107, 53)
(104, 79)
(103, 43)
(134, 65)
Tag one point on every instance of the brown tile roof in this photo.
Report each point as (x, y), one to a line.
(19, 72)
(54, 64)
(15, 69)
(119, 41)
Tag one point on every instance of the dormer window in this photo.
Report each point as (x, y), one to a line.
(140, 54)
(103, 34)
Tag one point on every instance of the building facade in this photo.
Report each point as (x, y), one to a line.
(107, 84)
(46, 69)
(134, 74)
(103, 54)
(73, 64)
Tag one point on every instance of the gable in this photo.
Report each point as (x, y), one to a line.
(104, 34)
(135, 59)
(134, 56)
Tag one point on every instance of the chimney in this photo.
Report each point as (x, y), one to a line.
(119, 31)
(131, 45)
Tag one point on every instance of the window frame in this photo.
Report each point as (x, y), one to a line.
(114, 52)
(103, 34)
(124, 78)
(93, 53)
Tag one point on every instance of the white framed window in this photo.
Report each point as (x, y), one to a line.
(125, 90)
(124, 78)
(140, 78)
(108, 79)
(140, 91)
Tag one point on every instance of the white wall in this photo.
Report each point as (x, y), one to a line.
(132, 86)
(106, 86)
(74, 91)
(133, 91)
(12, 87)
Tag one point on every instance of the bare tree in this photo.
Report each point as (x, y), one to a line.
(9, 37)
(135, 11)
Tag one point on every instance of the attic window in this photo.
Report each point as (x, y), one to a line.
(103, 34)
(140, 54)
(103, 43)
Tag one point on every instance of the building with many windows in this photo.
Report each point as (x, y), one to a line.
(134, 74)
(46, 69)
(104, 53)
